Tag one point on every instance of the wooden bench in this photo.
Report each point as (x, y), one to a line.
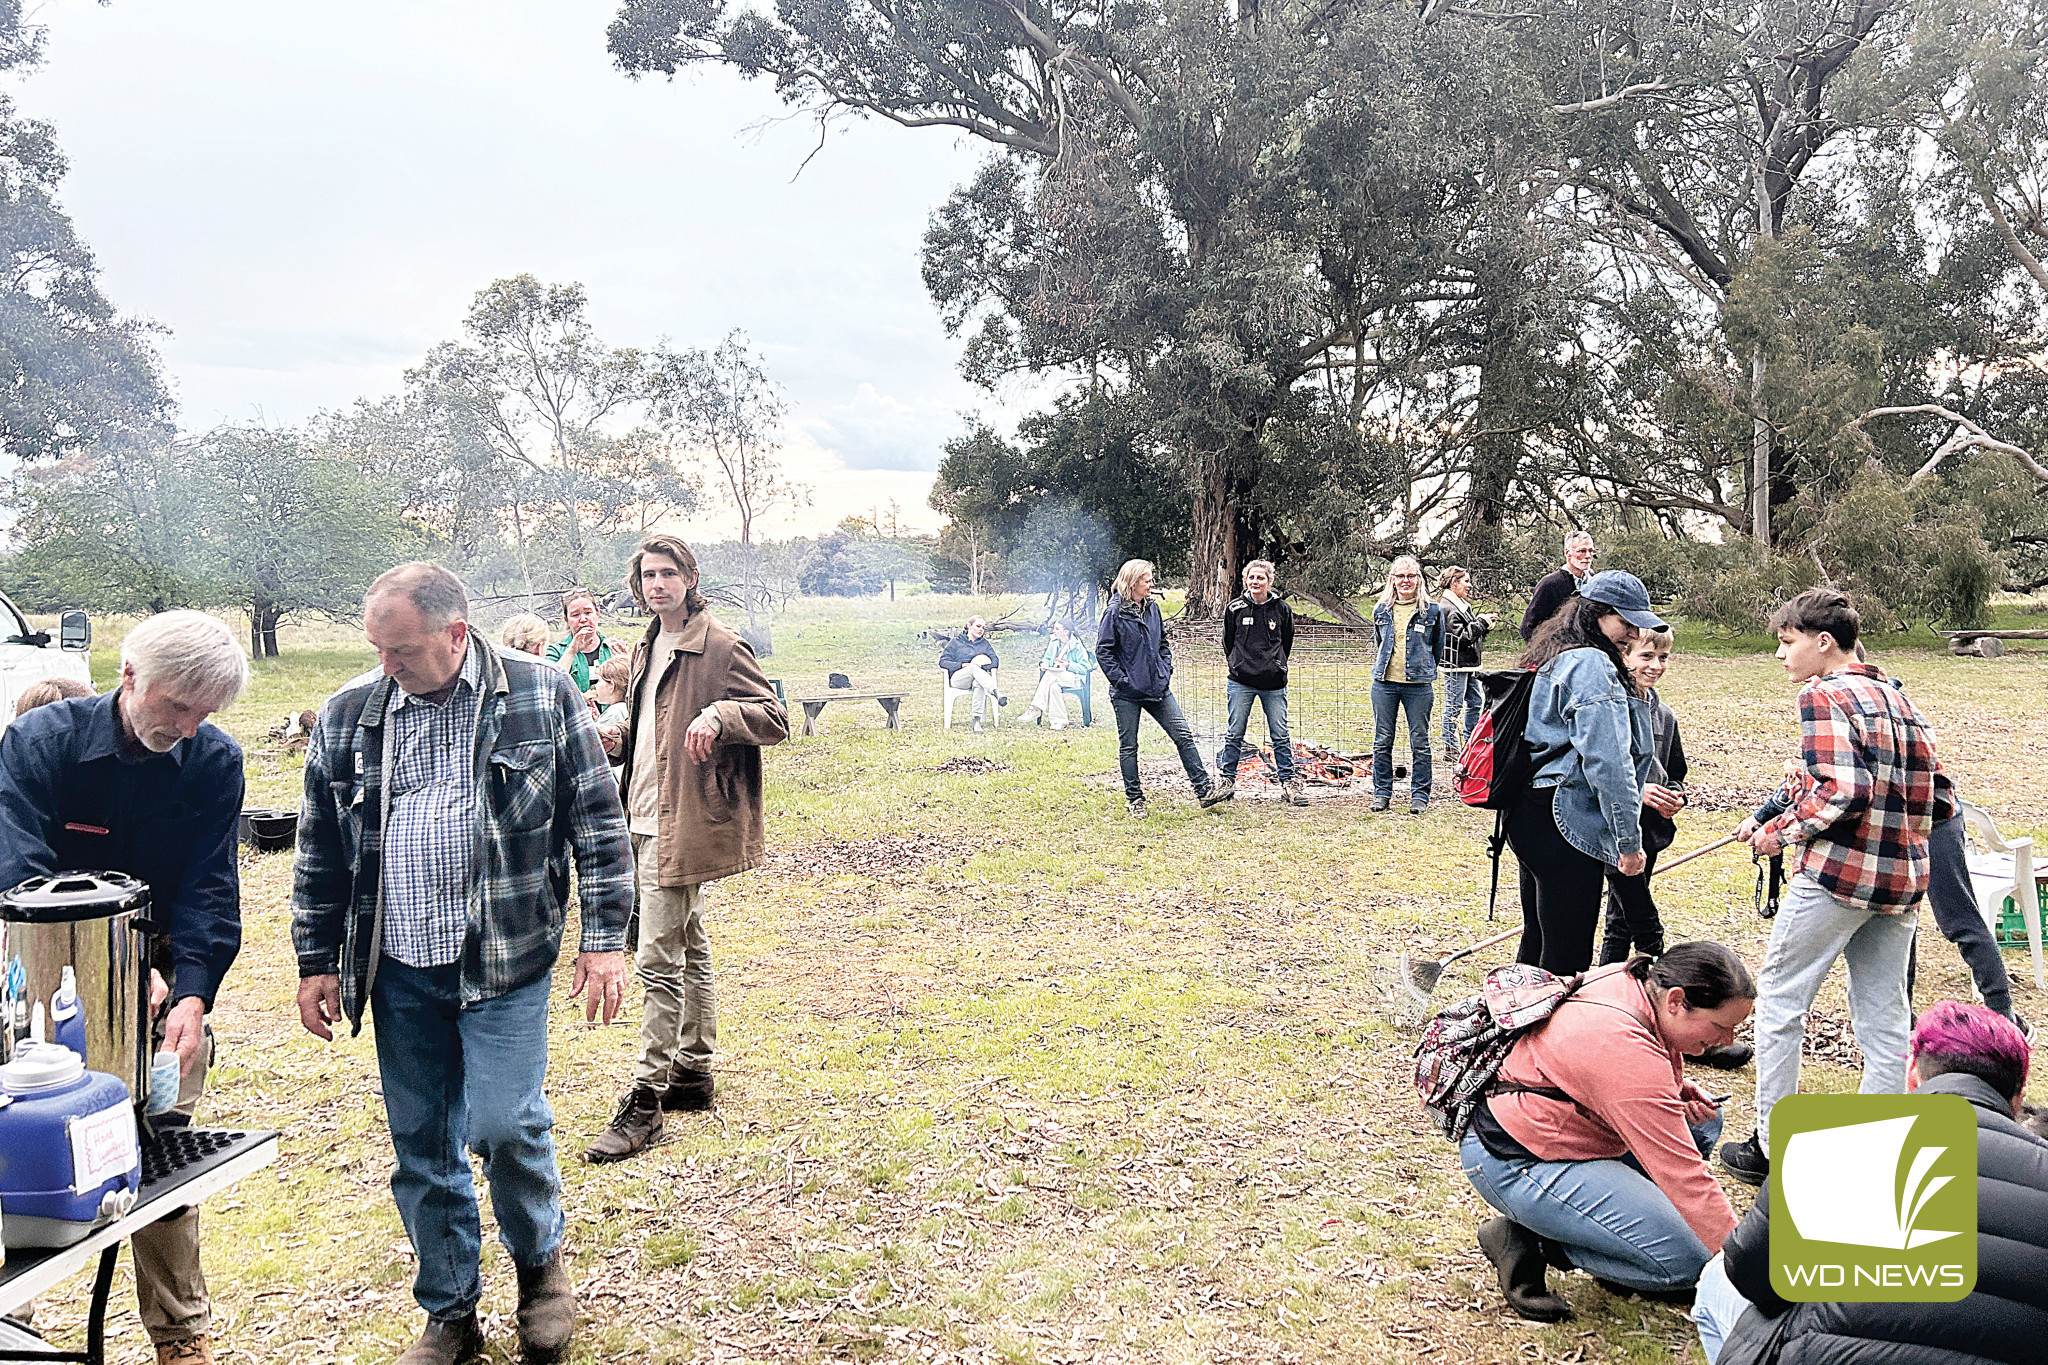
(1987, 644)
(813, 705)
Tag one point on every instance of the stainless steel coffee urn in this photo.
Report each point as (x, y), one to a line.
(74, 952)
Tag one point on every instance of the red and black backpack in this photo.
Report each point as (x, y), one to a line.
(1495, 768)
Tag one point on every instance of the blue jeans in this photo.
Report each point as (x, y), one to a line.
(1611, 1218)
(1811, 931)
(1166, 711)
(457, 1081)
(1415, 699)
(1717, 1306)
(1274, 702)
(1463, 698)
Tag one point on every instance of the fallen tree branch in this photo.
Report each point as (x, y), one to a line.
(1967, 436)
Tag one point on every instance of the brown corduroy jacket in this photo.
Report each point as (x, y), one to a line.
(712, 813)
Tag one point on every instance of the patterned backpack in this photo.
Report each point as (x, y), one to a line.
(1458, 1061)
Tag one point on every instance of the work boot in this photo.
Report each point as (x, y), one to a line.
(1293, 794)
(1216, 795)
(637, 1123)
(1732, 1057)
(1137, 807)
(686, 1089)
(190, 1351)
(1747, 1160)
(547, 1311)
(443, 1343)
(1381, 802)
(1518, 1264)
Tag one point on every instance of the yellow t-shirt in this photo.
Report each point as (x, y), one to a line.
(1397, 660)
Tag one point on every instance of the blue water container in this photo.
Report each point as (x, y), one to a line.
(69, 1160)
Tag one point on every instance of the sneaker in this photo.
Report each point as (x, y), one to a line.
(1733, 1057)
(1746, 1160)
(199, 1350)
(1224, 790)
(1215, 796)
(1418, 807)
(1137, 807)
(443, 1343)
(1031, 714)
(1292, 793)
(686, 1089)
(977, 727)
(1381, 802)
(637, 1123)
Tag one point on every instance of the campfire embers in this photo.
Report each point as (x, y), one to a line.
(1313, 764)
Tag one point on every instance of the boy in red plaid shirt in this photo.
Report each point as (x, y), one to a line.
(1856, 823)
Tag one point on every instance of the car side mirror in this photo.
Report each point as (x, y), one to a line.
(74, 632)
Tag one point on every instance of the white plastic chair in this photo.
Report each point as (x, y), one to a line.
(949, 695)
(2000, 869)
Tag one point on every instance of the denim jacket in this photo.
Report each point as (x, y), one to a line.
(1425, 641)
(1592, 741)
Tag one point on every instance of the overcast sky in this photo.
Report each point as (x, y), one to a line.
(307, 195)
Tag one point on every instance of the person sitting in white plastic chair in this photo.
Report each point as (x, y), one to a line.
(971, 663)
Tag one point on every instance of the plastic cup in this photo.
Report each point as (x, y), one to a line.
(164, 1082)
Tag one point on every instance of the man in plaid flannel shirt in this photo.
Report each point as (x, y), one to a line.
(446, 796)
(1859, 816)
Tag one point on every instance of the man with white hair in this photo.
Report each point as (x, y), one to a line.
(1554, 589)
(447, 794)
(136, 781)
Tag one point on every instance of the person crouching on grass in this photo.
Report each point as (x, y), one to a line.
(1258, 635)
(1593, 1144)
(1411, 629)
(1957, 1049)
(1860, 817)
(1131, 646)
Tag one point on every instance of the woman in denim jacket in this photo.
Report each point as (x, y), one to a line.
(1590, 744)
(1404, 681)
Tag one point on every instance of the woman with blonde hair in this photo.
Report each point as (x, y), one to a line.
(1131, 647)
(1411, 631)
(525, 633)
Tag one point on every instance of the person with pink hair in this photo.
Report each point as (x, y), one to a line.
(1956, 1049)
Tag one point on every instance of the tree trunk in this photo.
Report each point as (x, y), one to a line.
(1760, 459)
(1496, 446)
(519, 539)
(1223, 528)
(263, 614)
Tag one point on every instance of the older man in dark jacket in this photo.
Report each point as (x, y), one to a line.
(1961, 1050)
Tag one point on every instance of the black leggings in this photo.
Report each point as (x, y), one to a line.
(1632, 923)
(1561, 889)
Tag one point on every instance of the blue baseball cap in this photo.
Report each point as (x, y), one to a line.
(1626, 594)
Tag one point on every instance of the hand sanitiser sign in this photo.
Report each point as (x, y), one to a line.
(1873, 1198)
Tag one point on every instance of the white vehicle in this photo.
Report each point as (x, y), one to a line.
(28, 655)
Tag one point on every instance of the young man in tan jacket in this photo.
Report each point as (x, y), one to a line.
(700, 711)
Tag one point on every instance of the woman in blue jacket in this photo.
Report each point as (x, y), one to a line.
(1589, 746)
(1131, 649)
(1411, 629)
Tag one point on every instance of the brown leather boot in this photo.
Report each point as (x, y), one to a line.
(446, 1343)
(547, 1311)
(190, 1351)
(637, 1123)
(686, 1089)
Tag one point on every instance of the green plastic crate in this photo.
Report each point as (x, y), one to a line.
(2013, 929)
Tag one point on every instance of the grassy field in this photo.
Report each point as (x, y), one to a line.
(1008, 1077)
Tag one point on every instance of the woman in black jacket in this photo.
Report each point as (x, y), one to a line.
(1464, 635)
(1961, 1050)
(1131, 647)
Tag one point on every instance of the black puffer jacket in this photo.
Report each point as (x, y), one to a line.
(2004, 1321)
